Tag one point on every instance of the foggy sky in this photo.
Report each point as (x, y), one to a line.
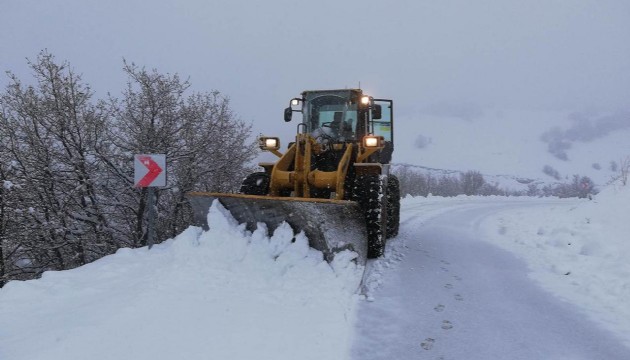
(551, 54)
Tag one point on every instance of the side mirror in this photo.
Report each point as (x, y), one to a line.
(377, 112)
(288, 114)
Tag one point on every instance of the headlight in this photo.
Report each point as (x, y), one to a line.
(365, 100)
(372, 141)
(269, 143)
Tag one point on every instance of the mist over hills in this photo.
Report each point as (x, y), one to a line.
(513, 147)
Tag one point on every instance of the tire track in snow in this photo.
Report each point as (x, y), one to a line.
(454, 296)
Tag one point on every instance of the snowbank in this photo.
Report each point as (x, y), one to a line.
(578, 251)
(225, 293)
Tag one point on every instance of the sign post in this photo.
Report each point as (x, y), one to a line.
(150, 172)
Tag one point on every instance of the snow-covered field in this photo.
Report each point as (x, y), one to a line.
(579, 252)
(229, 294)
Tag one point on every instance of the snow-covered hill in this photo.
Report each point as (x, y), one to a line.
(227, 293)
(511, 144)
(509, 183)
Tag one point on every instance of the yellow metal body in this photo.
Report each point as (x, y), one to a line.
(293, 171)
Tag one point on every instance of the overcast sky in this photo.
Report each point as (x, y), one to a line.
(552, 54)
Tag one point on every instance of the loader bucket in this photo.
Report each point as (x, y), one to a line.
(330, 225)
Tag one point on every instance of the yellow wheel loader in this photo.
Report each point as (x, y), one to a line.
(332, 182)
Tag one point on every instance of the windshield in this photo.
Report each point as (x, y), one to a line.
(334, 113)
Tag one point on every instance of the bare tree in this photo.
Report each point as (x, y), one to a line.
(471, 182)
(448, 186)
(66, 173)
(206, 146)
(624, 170)
(5, 207)
(580, 186)
(533, 190)
(51, 133)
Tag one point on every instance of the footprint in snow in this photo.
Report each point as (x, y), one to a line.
(427, 344)
(458, 278)
(448, 286)
(445, 262)
(458, 297)
(444, 269)
(439, 308)
(447, 325)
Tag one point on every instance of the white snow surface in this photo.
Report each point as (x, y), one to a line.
(578, 251)
(221, 294)
(230, 294)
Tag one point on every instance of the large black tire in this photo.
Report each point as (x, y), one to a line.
(369, 194)
(393, 206)
(256, 184)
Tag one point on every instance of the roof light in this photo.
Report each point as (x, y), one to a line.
(365, 100)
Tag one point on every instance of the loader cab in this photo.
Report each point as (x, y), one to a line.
(345, 116)
(331, 114)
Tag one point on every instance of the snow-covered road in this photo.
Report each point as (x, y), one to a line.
(448, 294)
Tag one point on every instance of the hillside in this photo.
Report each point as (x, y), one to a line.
(508, 146)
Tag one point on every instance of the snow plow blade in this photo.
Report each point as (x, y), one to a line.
(330, 225)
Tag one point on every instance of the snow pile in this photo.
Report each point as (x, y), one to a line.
(578, 251)
(221, 294)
